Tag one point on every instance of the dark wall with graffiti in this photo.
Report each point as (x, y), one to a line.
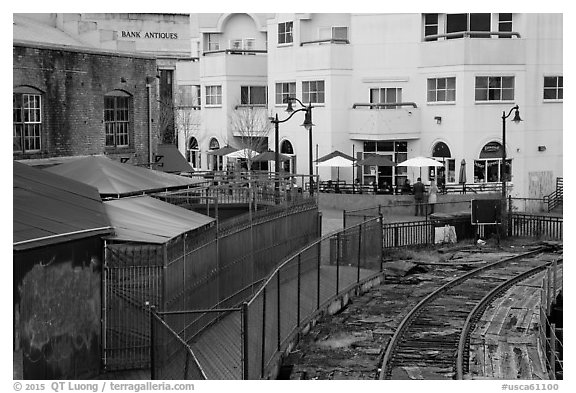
(57, 310)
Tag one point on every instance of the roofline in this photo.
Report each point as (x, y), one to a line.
(21, 245)
(80, 49)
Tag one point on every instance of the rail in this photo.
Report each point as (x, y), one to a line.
(473, 34)
(555, 198)
(470, 323)
(551, 337)
(405, 324)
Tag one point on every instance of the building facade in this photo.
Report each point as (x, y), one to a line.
(398, 85)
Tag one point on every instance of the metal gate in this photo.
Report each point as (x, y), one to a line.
(132, 278)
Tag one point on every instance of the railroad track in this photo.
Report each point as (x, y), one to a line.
(431, 341)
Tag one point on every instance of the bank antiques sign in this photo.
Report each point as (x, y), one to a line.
(148, 34)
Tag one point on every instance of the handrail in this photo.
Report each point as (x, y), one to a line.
(235, 51)
(470, 34)
(384, 105)
(289, 258)
(330, 40)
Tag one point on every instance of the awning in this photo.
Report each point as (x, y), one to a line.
(169, 159)
(148, 220)
(49, 209)
(112, 178)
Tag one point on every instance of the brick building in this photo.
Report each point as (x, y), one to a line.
(72, 101)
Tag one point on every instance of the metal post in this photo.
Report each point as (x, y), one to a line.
(318, 276)
(553, 351)
(337, 262)
(278, 338)
(359, 252)
(554, 282)
(152, 339)
(311, 168)
(245, 343)
(277, 158)
(263, 362)
(298, 291)
(502, 172)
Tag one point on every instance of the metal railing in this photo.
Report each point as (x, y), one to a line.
(538, 226)
(246, 342)
(556, 198)
(550, 340)
(170, 356)
(473, 34)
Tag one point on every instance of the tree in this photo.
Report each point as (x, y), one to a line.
(250, 126)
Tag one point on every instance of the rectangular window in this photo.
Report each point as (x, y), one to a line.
(553, 87)
(505, 22)
(116, 121)
(213, 42)
(313, 91)
(253, 95)
(430, 26)
(488, 171)
(188, 95)
(386, 96)
(285, 33)
(213, 95)
(441, 90)
(27, 122)
(457, 23)
(283, 91)
(494, 88)
(333, 33)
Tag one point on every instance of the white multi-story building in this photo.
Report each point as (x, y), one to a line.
(446, 80)
(452, 77)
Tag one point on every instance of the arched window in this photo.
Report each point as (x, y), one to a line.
(217, 162)
(286, 148)
(214, 145)
(27, 119)
(446, 173)
(117, 115)
(488, 167)
(289, 165)
(193, 152)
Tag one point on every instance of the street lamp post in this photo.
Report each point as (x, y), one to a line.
(307, 124)
(516, 119)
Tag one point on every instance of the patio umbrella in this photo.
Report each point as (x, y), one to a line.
(335, 159)
(419, 162)
(223, 151)
(270, 155)
(462, 175)
(242, 153)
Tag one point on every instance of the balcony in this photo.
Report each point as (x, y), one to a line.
(332, 54)
(385, 121)
(240, 62)
(472, 47)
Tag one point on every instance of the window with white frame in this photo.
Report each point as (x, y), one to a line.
(213, 42)
(253, 95)
(553, 87)
(488, 166)
(27, 121)
(188, 95)
(441, 89)
(285, 32)
(193, 153)
(430, 26)
(505, 22)
(333, 33)
(117, 119)
(494, 88)
(285, 90)
(386, 95)
(313, 91)
(213, 95)
(456, 23)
